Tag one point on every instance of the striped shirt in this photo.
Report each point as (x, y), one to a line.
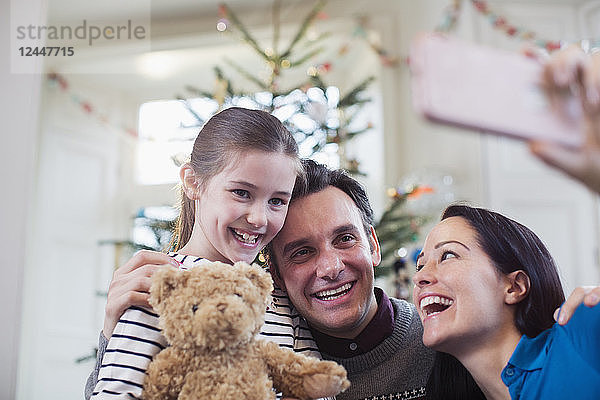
(137, 338)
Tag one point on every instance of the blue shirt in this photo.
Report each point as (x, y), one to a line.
(562, 362)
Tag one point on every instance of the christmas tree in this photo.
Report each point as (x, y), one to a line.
(396, 228)
(316, 113)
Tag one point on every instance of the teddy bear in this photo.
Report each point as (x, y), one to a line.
(211, 315)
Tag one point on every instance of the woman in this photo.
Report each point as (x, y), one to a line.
(486, 289)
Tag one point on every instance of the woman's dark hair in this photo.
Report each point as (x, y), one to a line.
(222, 139)
(510, 246)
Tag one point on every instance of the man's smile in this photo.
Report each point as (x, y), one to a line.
(333, 294)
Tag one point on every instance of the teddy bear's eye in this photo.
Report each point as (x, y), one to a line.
(195, 308)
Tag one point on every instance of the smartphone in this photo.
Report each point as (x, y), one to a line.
(488, 90)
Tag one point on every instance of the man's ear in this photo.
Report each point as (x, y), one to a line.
(189, 181)
(375, 249)
(517, 287)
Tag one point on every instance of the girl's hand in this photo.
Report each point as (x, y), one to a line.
(130, 285)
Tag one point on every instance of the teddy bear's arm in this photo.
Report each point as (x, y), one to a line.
(302, 377)
(165, 376)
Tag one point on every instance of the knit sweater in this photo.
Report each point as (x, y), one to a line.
(397, 368)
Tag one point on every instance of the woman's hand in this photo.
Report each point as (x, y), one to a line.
(572, 72)
(130, 285)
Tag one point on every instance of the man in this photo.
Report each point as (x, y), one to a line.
(324, 258)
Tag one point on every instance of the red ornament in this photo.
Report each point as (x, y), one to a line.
(86, 107)
(480, 5)
(62, 82)
(511, 31)
(551, 46)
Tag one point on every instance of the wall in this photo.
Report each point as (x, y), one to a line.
(18, 112)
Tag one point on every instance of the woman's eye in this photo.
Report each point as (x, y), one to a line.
(447, 254)
(241, 193)
(277, 202)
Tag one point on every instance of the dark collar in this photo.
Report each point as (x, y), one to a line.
(380, 327)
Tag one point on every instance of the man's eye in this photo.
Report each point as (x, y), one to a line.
(302, 253)
(241, 193)
(448, 254)
(346, 239)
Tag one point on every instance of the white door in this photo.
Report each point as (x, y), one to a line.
(73, 211)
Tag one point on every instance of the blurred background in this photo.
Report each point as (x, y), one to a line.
(92, 141)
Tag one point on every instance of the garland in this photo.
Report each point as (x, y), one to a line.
(56, 80)
(499, 22)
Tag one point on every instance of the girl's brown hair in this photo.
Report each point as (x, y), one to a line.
(224, 136)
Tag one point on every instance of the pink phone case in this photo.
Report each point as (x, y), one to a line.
(488, 90)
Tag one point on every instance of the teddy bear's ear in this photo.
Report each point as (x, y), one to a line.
(163, 282)
(256, 275)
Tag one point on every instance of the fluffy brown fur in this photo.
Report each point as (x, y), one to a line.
(211, 315)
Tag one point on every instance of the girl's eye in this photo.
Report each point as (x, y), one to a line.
(241, 193)
(447, 254)
(277, 202)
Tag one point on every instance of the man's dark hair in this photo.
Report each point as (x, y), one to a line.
(318, 177)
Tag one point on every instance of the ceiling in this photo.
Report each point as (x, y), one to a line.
(184, 46)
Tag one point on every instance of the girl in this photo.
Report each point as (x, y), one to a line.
(235, 193)
(486, 289)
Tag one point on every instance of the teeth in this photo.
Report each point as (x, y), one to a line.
(434, 300)
(246, 237)
(333, 294)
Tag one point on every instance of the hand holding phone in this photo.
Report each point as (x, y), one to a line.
(488, 90)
